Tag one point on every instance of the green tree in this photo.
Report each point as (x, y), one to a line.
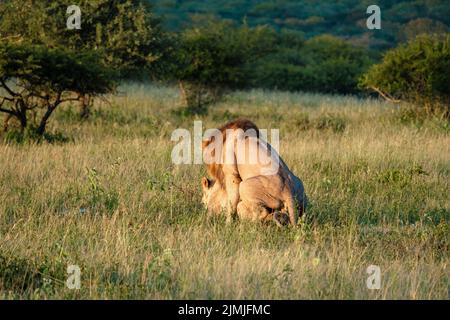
(125, 33)
(211, 59)
(417, 72)
(37, 80)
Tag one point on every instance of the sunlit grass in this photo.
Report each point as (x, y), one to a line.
(111, 201)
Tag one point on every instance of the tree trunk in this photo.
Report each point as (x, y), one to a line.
(184, 99)
(85, 107)
(41, 129)
(23, 120)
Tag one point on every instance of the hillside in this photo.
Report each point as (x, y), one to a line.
(345, 18)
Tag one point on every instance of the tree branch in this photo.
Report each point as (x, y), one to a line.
(70, 99)
(11, 112)
(8, 111)
(12, 93)
(385, 95)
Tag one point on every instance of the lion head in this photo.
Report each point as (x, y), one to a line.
(215, 170)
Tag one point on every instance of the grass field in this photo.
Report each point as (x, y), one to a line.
(110, 201)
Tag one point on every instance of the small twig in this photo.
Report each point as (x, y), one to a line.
(10, 112)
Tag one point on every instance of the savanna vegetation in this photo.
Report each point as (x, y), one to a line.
(111, 201)
(86, 176)
(416, 73)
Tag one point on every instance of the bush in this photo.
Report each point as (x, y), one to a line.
(211, 58)
(417, 72)
(322, 64)
(37, 80)
(125, 32)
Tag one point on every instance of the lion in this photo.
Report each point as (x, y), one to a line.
(215, 200)
(252, 183)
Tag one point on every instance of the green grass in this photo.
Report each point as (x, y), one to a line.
(109, 199)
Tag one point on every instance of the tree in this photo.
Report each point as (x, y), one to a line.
(211, 59)
(35, 79)
(125, 33)
(417, 72)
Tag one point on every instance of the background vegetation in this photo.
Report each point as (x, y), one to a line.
(401, 20)
(416, 73)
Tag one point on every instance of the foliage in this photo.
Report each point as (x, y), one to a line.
(147, 236)
(423, 25)
(125, 32)
(417, 72)
(211, 58)
(346, 19)
(35, 79)
(321, 64)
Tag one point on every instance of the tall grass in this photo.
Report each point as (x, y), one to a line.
(110, 201)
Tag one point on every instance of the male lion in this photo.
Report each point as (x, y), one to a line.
(215, 200)
(251, 174)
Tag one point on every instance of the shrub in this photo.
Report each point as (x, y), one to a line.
(35, 79)
(417, 72)
(125, 32)
(210, 59)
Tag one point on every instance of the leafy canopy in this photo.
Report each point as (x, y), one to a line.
(215, 54)
(417, 72)
(321, 64)
(54, 70)
(125, 32)
(39, 79)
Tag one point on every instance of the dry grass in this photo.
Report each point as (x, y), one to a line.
(111, 201)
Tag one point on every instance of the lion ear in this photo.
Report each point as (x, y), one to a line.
(205, 183)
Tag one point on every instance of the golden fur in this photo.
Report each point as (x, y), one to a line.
(215, 170)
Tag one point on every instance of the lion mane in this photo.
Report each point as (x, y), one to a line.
(215, 170)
